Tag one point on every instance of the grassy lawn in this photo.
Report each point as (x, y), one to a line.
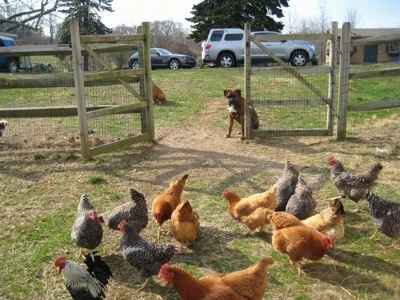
(40, 189)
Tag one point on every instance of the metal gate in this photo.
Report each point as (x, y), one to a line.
(321, 97)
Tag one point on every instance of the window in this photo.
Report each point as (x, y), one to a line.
(216, 36)
(234, 37)
(392, 49)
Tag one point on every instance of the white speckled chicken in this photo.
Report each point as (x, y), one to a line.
(350, 184)
(144, 255)
(386, 216)
(134, 212)
(301, 204)
(87, 231)
(286, 185)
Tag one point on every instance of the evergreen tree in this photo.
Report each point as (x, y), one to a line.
(233, 13)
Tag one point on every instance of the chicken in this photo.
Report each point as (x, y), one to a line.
(85, 284)
(248, 210)
(244, 284)
(353, 185)
(86, 232)
(290, 236)
(185, 223)
(386, 216)
(301, 204)
(286, 185)
(164, 204)
(3, 124)
(134, 212)
(144, 255)
(329, 221)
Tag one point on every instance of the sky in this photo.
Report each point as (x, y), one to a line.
(372, 13)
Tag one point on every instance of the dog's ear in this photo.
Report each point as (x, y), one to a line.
(239, 92)
(225, 91)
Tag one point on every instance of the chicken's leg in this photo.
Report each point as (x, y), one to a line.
(81, 253)
(299, 270)
(144, 285)
(357, 209)
(159, 232)
(372, 238)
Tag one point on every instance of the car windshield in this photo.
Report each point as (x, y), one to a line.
(163, 51)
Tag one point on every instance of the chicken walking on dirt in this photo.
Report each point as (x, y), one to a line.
(249, 210)
(290, 236)
(386, 216)
(87, 231)
(350, 184)
(244, 284)
(87, 284)
(185, 224)
(144, 255)
(165, 203)
(134, 212)
(286, 185)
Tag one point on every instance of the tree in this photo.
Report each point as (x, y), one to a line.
(232, 13)
(86, 12)
(353, 17)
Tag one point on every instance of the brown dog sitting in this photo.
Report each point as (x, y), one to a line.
(237, 110)
(158, 94)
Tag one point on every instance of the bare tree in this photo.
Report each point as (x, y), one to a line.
(292, 24)
(353, 17)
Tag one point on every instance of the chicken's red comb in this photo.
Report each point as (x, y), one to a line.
(225, 192)
(331, 158)
(121, 224)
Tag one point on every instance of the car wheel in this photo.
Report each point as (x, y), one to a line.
(174, 64)
(12, 65)
(299, 58)
(226, 60)
(135, 64)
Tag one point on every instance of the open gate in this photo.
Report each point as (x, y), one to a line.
(140, 101)
(322, 97)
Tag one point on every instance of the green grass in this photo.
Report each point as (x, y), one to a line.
(40, 189)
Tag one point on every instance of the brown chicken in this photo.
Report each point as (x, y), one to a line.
(329, 221)
(286, 185)
(301, 204)
(353, 185)
(165, 203)
(297, 240)
(248, 210)
(134, 212)
(244, 284)
(185, 223)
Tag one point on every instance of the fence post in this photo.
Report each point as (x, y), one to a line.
(247, 79)
(80, 88)
(332, 75)
(343, 80)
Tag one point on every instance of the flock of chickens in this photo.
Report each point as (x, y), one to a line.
(288, 206)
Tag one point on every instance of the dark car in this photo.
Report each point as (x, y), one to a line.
(8, 63)
(162, 58)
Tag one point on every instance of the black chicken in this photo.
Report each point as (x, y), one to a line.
(286, 185)
(85, 284)
(144, 255)
(353, 185)
(386, 216)
(134, 212)
(301, 204)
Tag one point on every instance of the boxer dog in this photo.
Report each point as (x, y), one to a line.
(237, 110)
(158, 94)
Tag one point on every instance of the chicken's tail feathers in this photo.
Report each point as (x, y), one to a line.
(369, 195)
(97, 267)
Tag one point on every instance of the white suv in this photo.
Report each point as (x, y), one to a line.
(225, 47)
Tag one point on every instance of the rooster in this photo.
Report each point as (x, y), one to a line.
(244, 284)
(85, 284)
(290, 236)
(353, 185)
(386, 216)
(301, 204)
(249, 210)
(134, 212)
(86, 232)
(165, 203)
(286, 185)
(144, 255)
(185, 224)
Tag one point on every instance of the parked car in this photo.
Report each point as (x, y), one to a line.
(162, 58)
(8, 63)
(225, 47)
